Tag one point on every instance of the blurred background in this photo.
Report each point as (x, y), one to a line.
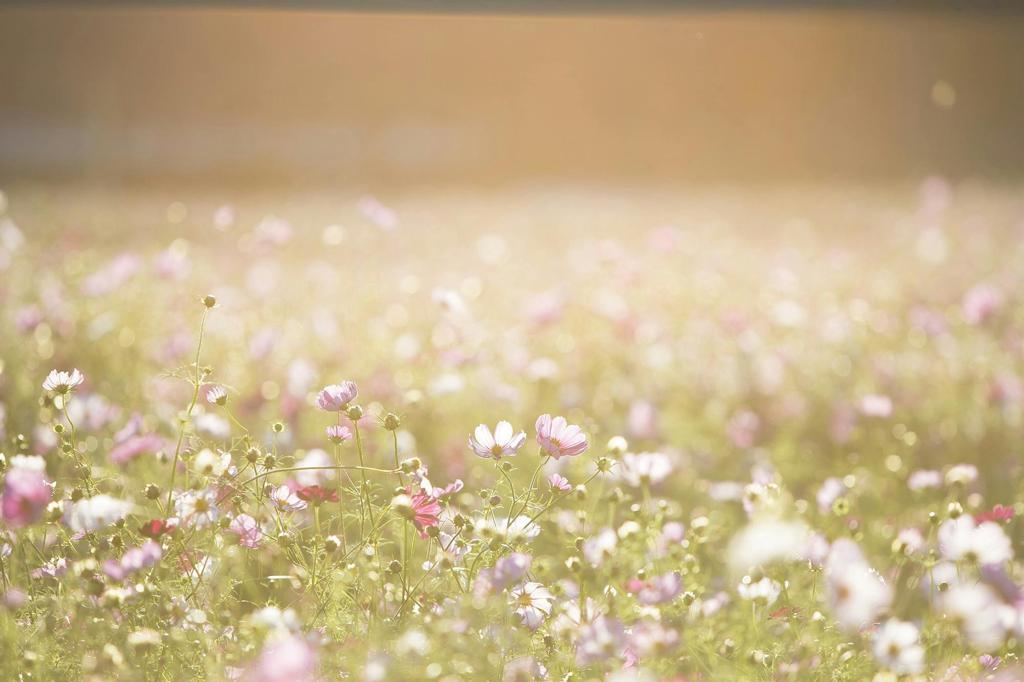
(140, 94)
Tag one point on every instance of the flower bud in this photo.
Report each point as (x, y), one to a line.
(391, 421)
(354, 412)
(151, 491)
(209, 301)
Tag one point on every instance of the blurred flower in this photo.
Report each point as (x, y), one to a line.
(963, 538)
(503, 443)
(644, 468)
(981, 302)
(897, 647)
(286, 659)
(94, 513)
(558, 438)
(211, 463)
(248, 530)
(26, 494)
(656, 590)
(876, 406)
(979, 612)
(856, 593)
(765, 590)
(602, 638)
(743, 429)
(317, 494)
(924, 478)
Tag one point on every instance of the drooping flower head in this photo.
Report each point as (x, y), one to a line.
(217, 395)
(559, 438)
(317, 494)
(504, 442)
(61, 382)
(336, 397)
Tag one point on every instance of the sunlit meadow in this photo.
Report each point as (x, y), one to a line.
(567, 434)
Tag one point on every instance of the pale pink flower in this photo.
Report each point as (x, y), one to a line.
(743, 429)
(559, 482)
(336, 397)
(981, 302)
(504, 442)
(26, 494)
(558, 438)
(337, 434)
(133, 446)
(248, 530)
(656, 590)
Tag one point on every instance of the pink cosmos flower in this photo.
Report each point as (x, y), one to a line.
(502, 443)
(532, 603)
(656, 590)
(559, 482)
(425, 512)
(134, 560)
(291, 658)
(248, 530)
(558, 438)
(337, 434)
(336, 397)
(26, 494)
(134, 446)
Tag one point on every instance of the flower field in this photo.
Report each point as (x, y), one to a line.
(546, 433)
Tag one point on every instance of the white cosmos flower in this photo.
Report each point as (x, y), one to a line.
(764, 590)
(93, 513)
(210, 463)
(856, 592)
(982, 616)
(213, 426)
(532, 603)
(763, 542)
(599, 547)
(29, 463)
(898, 647)
(63, 382)
(520, 528)
(961, 538)
(285, 499)
(504, 442)
(197, 508)
(644, 467)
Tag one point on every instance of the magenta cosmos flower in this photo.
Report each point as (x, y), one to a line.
(425, 512)
(503, 442)
(559, 438)
(336, 397)
(26, 494)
